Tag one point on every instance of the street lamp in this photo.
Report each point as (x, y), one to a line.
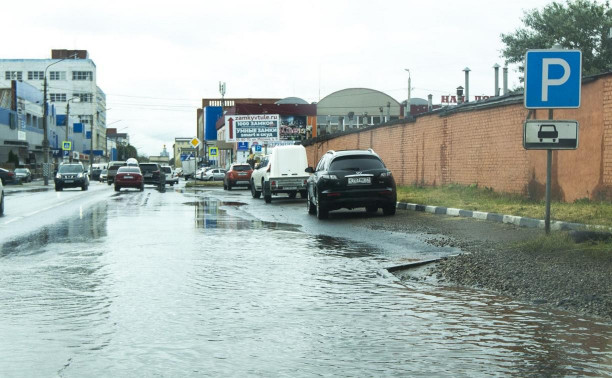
(45, 142)
(408, 100)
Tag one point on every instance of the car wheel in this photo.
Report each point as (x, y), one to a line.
(322, 211)
(303, 194)
(229, 186)
(2, 204)
(371, 209)
(212, 178)
(389, 209)
(224, 186)
(142, 188)
(84, 187)
(254, 192)
(292, 195)
(117, 188)
(108, 182)
(58, 188)
(312, 209)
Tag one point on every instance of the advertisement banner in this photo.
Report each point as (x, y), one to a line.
(293, 128)
(247, 128)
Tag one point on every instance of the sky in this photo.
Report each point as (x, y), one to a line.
(156, 60)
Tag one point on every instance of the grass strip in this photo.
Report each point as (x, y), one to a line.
(485, 199)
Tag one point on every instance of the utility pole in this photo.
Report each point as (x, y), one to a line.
(408, 99)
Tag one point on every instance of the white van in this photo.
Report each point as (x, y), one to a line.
(282, 171)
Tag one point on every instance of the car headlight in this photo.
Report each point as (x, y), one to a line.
(80, 175)
(329, 177)
(58, 176)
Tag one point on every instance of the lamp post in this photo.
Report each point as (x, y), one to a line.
(74, 99)
(408, 99)
(45, 142)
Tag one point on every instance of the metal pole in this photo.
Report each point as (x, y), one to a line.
(45, 142)
(548, 181)
(93, 122)
(68, 117)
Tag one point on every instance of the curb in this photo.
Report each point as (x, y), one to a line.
(499, 218)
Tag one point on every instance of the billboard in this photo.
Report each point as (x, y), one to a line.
(293, 127)
(247, 128)
(211, 115)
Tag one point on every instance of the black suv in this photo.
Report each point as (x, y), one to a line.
(111, 172)
(153, 175)
(350, 179)
(71, 175)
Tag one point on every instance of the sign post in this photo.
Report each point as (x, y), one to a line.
(553, 79)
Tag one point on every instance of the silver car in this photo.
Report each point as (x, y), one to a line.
(214, 174)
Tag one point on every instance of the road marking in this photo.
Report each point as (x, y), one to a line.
(13, 220)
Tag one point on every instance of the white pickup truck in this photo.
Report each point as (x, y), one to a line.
(283, 171)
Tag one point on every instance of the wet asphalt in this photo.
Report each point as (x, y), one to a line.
(187, 283)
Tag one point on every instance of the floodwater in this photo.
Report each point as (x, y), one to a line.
(152, 284)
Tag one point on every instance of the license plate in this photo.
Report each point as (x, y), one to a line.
(359, 180)
(149, 175)
(242, 182)
(68, 181)
(289, 187)
(128, 177)
(242, 174)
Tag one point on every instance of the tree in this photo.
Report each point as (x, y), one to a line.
(578, 24)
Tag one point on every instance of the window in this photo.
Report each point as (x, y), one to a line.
(13, 75)
(57, 97)
(35, 75)
(58, 75)
(86, 119)
(356, 163)
(84, 97)
(82, 75)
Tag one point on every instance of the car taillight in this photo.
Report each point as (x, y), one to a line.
(269, 167)
(273, 183)
(11, 174)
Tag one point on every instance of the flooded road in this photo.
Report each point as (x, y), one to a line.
(191, 284)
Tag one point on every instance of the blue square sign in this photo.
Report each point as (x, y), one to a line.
(553, 79)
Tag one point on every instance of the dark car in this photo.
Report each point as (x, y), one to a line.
(129, 177)
(7, 176)
(71, 175)
(113, 166)
(153, 175)
(1, 198)
(350, 179)
(239, 174)
(95, 174)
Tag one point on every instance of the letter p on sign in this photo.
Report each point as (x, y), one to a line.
(553, 79)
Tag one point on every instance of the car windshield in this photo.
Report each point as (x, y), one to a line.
(167, 169)
(129, 170)
(356, 163)
(104, 171)
(71, 168)
(21, 170)
(241, 167)
(115, 167)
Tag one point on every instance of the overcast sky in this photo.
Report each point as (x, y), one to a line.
(157, 60)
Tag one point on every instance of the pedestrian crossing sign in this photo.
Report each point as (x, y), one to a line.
(66, 145)
(213, 151)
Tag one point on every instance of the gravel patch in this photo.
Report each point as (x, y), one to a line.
(574, 278)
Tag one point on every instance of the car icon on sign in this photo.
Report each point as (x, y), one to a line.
(548, 132)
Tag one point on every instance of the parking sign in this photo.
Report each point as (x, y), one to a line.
(553, 79)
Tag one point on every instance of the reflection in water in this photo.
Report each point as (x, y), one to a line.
(89, 227)
(154, 295)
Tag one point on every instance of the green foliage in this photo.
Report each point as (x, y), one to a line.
(578, 24)
(13, 158)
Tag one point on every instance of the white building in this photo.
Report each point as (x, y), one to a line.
(75, 76)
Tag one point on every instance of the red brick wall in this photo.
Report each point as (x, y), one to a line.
(485, 147)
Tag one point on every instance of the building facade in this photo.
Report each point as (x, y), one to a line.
(73, 77)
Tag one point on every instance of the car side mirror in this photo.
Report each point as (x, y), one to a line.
(256, 165)
(309, 170)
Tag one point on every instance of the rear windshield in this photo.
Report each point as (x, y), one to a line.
(356, 163)
(166, 169)
(71, 168)
(114, 167)
(148, 167)
(245, 167)
(129, 170)
(21, 170)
